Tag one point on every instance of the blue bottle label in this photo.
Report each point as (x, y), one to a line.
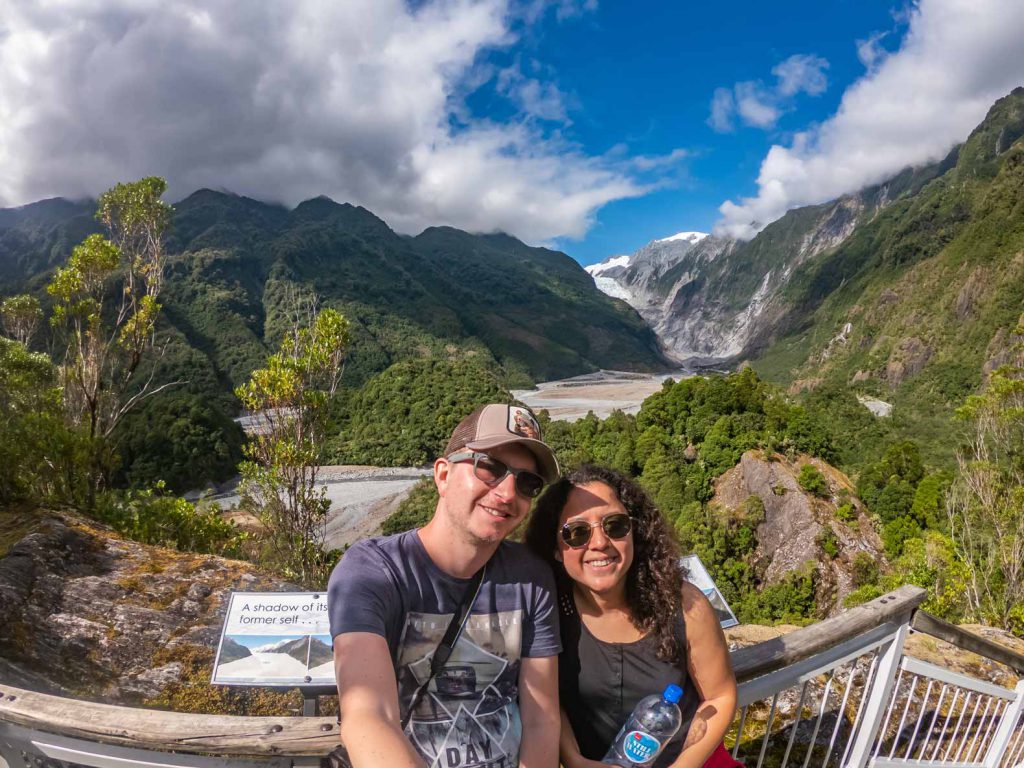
(640, 747)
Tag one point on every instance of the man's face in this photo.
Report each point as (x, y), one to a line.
(487, 514)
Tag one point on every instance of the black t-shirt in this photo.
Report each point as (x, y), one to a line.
(601, 682)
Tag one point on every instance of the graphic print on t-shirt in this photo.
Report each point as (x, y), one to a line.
(469, 715)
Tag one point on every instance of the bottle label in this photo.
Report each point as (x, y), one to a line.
(640, 747)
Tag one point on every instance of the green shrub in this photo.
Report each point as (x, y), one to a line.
(864, 570)
(896, 532)
(151, 517)
(405, 415)
(790, 600)
(828, 542)
(812, 481)
(862, 595)
(846, 512)
(415, 510)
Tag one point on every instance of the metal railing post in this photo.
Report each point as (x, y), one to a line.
(1011, 716)
(877, 699)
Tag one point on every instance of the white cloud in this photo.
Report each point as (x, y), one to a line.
(536, 98)
(723, 107)
(754, 105)
(801, 74)
(870, 51)
(956, 58)
(761, 106)
(652, 162)
(361, 100)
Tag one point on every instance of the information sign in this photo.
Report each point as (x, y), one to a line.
(275, 638)
(698, 576)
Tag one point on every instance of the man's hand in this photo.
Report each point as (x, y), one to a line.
(538, 707)
(368, 703)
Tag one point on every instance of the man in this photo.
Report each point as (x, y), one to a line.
(391, 599)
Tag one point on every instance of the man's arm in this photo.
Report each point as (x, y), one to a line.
(538, 707)
(368, 703)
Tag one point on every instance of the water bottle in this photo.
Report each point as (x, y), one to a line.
(655, 720)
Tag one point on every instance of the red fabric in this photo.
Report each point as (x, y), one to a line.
(721, 758)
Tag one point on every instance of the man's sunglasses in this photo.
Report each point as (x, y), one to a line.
(491, 472)
(577, 533)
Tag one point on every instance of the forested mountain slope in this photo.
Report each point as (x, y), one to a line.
(234, 264)
(920, 301)
(534, 309)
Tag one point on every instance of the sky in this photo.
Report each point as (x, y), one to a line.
(591, 126)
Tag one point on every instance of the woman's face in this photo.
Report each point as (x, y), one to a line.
(602, 563)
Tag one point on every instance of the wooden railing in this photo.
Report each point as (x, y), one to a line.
(840, 692)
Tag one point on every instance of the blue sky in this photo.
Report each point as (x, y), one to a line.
(647, 80)
(580, 124)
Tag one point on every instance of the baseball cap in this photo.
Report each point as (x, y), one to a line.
(490, 426)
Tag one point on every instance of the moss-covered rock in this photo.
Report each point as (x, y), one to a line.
(91, 615)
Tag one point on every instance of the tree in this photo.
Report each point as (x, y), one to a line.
(20, 316)
(38, 454)
(985, 505)
(290, 398)
(105, 313)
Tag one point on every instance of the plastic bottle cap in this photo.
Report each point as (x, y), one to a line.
(673, 693)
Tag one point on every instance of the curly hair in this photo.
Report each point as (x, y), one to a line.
(654, 580)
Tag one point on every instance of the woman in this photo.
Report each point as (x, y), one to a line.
(630, 623)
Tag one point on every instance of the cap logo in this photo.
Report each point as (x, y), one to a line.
(522, 423)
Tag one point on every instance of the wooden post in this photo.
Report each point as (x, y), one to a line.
(1011, 716)
(878, 697)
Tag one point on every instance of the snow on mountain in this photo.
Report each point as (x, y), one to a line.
(610, 263)
(690, 237)
(273, 647)
(611, 287)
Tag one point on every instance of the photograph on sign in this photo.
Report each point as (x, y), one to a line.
(275, 638)
(698, 575)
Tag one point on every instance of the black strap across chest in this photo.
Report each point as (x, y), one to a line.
(444, 649)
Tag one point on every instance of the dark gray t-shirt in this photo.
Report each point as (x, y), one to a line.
(469, 716)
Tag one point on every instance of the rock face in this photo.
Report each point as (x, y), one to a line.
(90, 615)
(797, 524)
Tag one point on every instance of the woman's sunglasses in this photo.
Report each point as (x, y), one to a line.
(491, 472)
(578, 532)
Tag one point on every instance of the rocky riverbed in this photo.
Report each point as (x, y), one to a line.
(601, 392)
(361, 498)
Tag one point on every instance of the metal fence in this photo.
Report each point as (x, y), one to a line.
(838, 693)
(863, 701)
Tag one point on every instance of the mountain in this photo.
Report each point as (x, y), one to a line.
(232, 259)
(922, 299)
(712, 299)
(908, 291)
(520, 314)
(232, 651)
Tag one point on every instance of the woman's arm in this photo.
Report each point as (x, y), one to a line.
(711, 673)
(569, 750)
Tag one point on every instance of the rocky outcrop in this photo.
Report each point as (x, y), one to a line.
(91, 615)
(908, 359)
(801, 530)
